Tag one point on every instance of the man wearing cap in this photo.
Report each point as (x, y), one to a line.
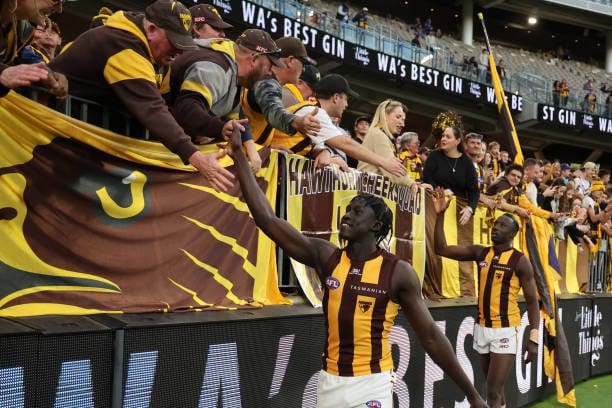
(263, 103)
(583, 183)
(204, 84)
(296, 60)
(117, 65)
(360, 128)
(207, 22)
(361, 18)
(332, 95)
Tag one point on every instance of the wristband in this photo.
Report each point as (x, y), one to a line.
(534, 336)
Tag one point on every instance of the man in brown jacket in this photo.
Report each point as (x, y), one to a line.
(118, 64)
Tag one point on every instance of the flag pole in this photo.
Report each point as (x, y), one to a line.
(484, 29)
(502, 105)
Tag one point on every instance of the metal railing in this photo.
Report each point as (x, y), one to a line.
(600, 272)
(533, 85)
(599, 267)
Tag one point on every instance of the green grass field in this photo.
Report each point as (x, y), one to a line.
(593, 393)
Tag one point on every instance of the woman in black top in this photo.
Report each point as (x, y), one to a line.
(452, 170)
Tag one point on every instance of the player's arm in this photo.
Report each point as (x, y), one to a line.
(406, 290)
(526, 277)
(458, 252)
(309, 251)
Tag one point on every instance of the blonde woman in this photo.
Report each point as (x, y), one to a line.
(386, 125)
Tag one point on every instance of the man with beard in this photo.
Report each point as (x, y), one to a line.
(205, 84)
(265, 104)
(364, 287)
(475, 150)
(532, 174)
(503, 271)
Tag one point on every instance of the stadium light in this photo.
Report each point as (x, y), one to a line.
(532, 20)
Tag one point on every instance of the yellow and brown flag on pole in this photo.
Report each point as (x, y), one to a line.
(505, 116)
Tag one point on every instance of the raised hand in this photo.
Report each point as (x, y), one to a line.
(439, 200)
(56, 83)
(394, 166)
(307, 124)
(228, 128)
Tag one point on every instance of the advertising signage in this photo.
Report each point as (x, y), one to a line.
(255, 16)
(561, 116)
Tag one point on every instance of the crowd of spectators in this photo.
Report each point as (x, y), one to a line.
(272, 91)
(561, 92)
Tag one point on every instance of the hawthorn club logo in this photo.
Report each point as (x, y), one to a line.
(186, 19)
(214, 10)
(364, 306)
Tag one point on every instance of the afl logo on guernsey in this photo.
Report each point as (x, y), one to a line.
(373, 404)
(332, 283)
(483, 264)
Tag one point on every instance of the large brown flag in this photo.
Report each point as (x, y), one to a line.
(92, 221)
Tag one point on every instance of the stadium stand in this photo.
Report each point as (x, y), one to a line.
(529, 73)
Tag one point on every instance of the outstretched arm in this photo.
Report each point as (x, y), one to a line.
(407, 292)
(309, 251)
(525, 274)
(458, 252)
(391, 164)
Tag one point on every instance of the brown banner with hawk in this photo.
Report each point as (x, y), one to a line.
(95, 222)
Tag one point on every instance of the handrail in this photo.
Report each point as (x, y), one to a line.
(85, 110)
(528, 82)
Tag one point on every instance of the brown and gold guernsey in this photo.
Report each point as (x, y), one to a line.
(412, 162)
(499, 286)
(261, 130)
(359, 314)
(495, 166)
(297, 143)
